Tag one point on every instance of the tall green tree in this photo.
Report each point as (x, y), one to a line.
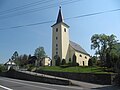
(15, 55)
(40, 53)
(95, 40)
(103, 44)
(63, 62)
(58, 61)
(23, 60)
(15, 58)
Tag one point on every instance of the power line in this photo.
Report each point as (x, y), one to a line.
(40, 8)
(29, 5)
(80, 16)
(27, 25)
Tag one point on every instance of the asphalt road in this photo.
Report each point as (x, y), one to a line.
(14, 84)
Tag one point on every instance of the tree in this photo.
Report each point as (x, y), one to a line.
(90, 62)
(58, 61)
(2, 68)
(15, 58)
(112, 42)
(40, 53)
(24, 60)
(103, 44)
(15, 55)
(63, 62)
(95, 40)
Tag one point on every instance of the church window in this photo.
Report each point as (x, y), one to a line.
(56, 38)
(56, 53)
(56, 45)
(56, 48)
(56, 29)
(64, 29)
(80, 55)
(85, 57)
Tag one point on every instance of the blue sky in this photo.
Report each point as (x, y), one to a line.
(26, 39)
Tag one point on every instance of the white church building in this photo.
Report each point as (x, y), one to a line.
(63, 47)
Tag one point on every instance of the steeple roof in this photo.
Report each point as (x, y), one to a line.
(60, 16)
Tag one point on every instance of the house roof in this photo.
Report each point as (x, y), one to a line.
(78, 48)
(10, 63)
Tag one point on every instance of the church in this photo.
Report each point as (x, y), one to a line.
(63, 47)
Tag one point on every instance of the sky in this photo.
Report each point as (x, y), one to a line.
(26, 39)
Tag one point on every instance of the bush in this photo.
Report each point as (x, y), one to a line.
(30, 67)
(90, 62)
(64, 66)
(2, 68)
(58, 61)
(117, 80)
(63, 62)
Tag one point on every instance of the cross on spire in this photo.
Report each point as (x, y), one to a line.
(59, 3)
(60, 16)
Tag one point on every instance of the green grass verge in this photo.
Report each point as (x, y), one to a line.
(74, 69)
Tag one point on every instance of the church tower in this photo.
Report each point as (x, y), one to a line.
(60, 39)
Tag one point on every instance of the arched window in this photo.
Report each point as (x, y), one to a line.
(85, 57)
(80, 55)
(56, 29)
(64, 29)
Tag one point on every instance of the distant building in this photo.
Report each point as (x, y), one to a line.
(11, 64)
(46, 61)
(63, 47)
(32, 60)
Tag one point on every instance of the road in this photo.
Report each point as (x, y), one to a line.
(14, 84)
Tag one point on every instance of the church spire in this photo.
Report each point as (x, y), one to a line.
(60, 16)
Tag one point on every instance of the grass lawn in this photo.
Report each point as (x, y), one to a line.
(76, 69)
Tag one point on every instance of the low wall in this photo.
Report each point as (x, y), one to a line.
(105, 79)
(29, 77)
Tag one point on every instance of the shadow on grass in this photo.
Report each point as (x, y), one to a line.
(107, 88)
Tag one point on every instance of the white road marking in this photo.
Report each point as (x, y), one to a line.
(5, 87)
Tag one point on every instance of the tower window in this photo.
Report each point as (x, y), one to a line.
(56, 38)
(56, 48)
(64, 29)
(56, 45)
(85, 57)
(56, 53)
(56, 29)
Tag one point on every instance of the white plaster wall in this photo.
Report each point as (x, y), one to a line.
(79, 59)
(47, 62)
(65, 42)
(62, 41)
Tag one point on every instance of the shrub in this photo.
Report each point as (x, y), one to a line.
(58, 61)
(63, 62)
(30, 67)
(2, 68)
